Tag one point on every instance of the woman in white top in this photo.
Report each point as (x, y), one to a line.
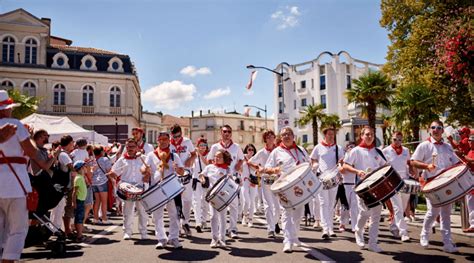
(249, 186)
(201, 207)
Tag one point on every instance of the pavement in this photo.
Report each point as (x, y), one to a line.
(105, 244)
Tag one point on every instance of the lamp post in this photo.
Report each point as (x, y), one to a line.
(264, 110)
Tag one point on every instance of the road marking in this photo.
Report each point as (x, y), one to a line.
(313, 252)
(101, 234)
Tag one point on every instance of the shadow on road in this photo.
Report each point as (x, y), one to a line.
(250, 253)
(413, 257)
(72, 251)
(189, 255)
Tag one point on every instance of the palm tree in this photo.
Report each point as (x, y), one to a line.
(28, 105)
(313, 114)
(387, 121)
(331, 120)
(371, 90)
(412, 107)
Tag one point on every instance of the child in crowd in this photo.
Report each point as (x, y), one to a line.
(78, 197)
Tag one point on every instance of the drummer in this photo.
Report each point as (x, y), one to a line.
(286, 156)
(235, 168)
(160, 164)
(399, 158)
(143, 147)
(185, 149)
(325, 157)
(362, 160)
(433, 156)
(270, 201)
(201, 207)
(218, 168)
(127, 167)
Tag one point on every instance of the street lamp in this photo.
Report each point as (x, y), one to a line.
(264, 110)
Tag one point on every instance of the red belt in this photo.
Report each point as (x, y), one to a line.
(20, 160)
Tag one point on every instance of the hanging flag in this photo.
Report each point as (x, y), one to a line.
(247, 111)
(253, 75)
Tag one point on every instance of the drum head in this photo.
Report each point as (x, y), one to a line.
(215, 188)
(372, 178)
(292, 175)
(444, 177)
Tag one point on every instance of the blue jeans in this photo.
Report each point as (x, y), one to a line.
(79, 212)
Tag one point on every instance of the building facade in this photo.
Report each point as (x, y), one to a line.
(95, 88)
(245, 129)
(322, 80)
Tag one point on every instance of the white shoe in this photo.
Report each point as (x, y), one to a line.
(450, 248)
(405, 238)
(297, 243)
(161, 244)
(244, 220)
(394, 230)
(250, 224)
(222, 243)
(214, 243)
(359, 236)
(375, 248)
(233, 234)
(126, 236)
(287, 248)
(424, 241)
(175, 243)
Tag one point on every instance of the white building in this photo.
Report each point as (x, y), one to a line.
(322, 80)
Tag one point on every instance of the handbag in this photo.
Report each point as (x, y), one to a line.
(31, 198)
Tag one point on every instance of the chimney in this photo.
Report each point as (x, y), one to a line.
(192, 113)
(200, 113)
(209, 111)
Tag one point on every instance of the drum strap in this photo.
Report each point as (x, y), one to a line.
(380, 153)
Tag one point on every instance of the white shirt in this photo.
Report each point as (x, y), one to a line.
(213, 173)
(147, 148)
(234, 151)
(424, 153)
(9, 185)
(199, 166)
(398, 162)
(79, 155)
(129, 170)
(154, 162)
(187, 148)
(364, 159)
(261, 157)
(326, 156)
(64, 159)
(281, 157)
(246, 171)
(348, 177)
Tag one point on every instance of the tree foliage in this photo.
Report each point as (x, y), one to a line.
(28, 105)
(312, 114)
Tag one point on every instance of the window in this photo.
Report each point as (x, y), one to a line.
(6, 85)
(88, 96)
(115, 65)
(322, 82)
(59, 97)
(195, 123)
(312, 100)
(115, 97)
(295, 123)
(29, 89)
(150, 136)
(242, 127)
(305, 138)
(280, 90)
(253, 138)
(294, 86)
(348, 69)
(60, 61)
(312, 83)
(322, 69)
(88, 63)
(348, 79)
(294, 104)
(303, 84)
(280, 107)
(8, 50)
(31, 49)
(323, 100)
(303, 103)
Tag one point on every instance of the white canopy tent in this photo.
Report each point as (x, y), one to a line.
(58, 126)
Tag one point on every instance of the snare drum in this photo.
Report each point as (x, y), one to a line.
(331, 178)
(411, 187)
(297, 186)
(186, 177)
(129, 192)
(448, 186)
(222, 193)
(161, 193)
(379, 185)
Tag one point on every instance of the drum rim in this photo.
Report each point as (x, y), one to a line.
(376, 182)
(210, 196)
(448, 182)
(451, 200)
(284, 188)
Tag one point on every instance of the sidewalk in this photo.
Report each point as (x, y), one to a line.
(455, 224)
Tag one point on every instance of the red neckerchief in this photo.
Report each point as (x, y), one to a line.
(128, 157)
(141, 146)
(288, 149)
(397, 149)
(436, 142)
(165, 150)
(228, 146)
(177, 144)
(223, 166)
(269, 150)
(363, 145)
(327, 145)
(6, 102)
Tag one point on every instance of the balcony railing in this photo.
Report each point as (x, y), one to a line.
(59, 108)
(88, 109)
(115, 110)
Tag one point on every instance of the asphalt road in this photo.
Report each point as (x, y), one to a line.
(106, 245)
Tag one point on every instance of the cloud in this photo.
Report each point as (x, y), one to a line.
(286, 18)
(169, 95)
(248, 92)
(192, 71)
(217, 93)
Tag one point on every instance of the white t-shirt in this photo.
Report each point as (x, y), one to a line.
(187, 148)
(348, 177)
(398, 162)
(199, 166)
(246, 171)
(424, 153)
(286, 159)
(147, 148)
(129, 170)
(326, 156)
(154, 162)
(79, 155)
(234, 151)
(364, 159)
(9, 185)
(261, 157)
(64, 159)
(213, 173)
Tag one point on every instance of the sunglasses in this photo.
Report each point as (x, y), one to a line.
(226, 131)
(176, 135)
(203, 144)
(397, 140)
(436, 127)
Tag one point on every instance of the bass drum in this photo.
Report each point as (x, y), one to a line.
(161, 193)
(222, 193)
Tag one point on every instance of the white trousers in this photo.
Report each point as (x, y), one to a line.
(187, 200)
(315, 208)
(158, 214)
(470, 207)
(201, 206)
(430, 217)
(57, 213)
(128, 216)
(364, 214)
(327, 199)
(218, 223)
(291, 219)
(233, 213)
(259, 205)
(13, 227)
(353, 207)
(271, 205)
(248, 194)
(399, 204)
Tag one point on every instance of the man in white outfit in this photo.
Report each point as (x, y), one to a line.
(349, 181)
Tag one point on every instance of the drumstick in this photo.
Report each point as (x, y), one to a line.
(433, 159)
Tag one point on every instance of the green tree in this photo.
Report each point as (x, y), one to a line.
(413, 107)
(312, 114)
(331, 120)
(28, 105)
(370, 91)
(386, 129)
